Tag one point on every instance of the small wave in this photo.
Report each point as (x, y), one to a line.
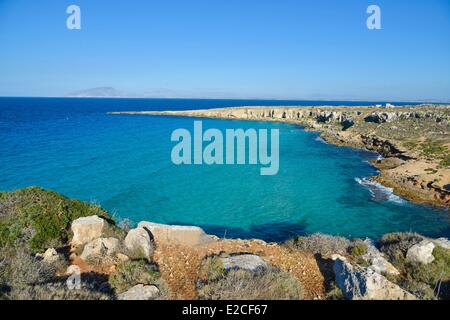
(378, 191)
(319, 138)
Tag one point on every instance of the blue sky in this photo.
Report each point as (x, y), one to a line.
(280, 49)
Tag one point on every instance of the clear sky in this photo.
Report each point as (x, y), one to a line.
(281, 49)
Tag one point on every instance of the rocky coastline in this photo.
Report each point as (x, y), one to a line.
(413, 140)
(52, 247)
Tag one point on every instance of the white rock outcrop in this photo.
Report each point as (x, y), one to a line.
(249, 262)
(182, 235)
(377, 261)
(138, 242)
(101, 247)
(86, 229)
(140, 292)
(443, 242)
(421, 252)
(357, 283)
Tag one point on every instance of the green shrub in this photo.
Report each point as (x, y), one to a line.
(434, 273)
(334, 293)
(445, 162)
(433, 149)
(245, 285)
(212, 268)
(359, 249)
(131, 273)
(40, 218)
(395, 246)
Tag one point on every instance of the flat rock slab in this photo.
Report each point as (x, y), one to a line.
(183, 235)
(249, 262)
(101, 247)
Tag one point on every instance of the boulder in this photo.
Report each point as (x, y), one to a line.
(249, 262)
(86, 229)
(138, 242)
(140, 292)
(182, 235)
(49, 256)
(358, 283)
(421, 252)
(101, 247)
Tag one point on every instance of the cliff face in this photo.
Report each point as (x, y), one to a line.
(415, 140)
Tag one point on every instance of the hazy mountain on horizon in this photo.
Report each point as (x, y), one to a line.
(98, 92)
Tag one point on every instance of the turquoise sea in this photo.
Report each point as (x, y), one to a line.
(123, 163)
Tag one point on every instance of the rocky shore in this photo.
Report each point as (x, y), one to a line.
(414, 140)
(52, 247)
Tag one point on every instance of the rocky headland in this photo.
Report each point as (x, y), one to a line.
(413, 140)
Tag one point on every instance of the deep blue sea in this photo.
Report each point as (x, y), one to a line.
(123, 163)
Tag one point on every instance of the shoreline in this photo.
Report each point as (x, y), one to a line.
(403, 135)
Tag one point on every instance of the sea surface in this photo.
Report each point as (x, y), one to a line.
(123, 163)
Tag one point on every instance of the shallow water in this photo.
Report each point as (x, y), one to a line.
(123, 163)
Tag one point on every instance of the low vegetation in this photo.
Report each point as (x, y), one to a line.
(40, 218)
(270, 284)
(318, 243)
(131, 273)
(430, 281)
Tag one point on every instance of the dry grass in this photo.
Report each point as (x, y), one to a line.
(322, 244)
(245, 285)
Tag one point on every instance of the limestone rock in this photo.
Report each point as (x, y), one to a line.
(377, 261)
(122, 257)
(86, 229)
(443, 242)
(49, 256)
(101, 247)
(357, 283)
(182, 235)
(249, 262)
(421, 252)
(140, 292)
(138, 242)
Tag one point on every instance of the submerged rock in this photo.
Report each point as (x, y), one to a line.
(140, 292)
(358, 283)
(182, 235)
(86, 229)
(421, 252)
(249, 262)
(138, 243)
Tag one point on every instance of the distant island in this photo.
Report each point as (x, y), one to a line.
(99, 92)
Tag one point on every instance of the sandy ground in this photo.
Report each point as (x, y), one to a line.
(180, 265)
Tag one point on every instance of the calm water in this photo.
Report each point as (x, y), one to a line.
(123, 163)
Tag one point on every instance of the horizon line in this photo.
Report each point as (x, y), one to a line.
(259, 99)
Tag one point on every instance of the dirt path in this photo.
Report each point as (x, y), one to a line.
(179, 265)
